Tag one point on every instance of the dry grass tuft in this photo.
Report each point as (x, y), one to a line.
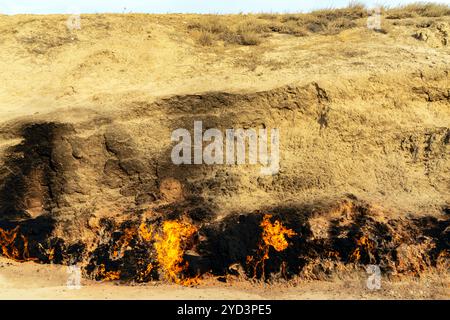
(249, 39)
(211, 29)
(353, 11)
(250, 30)
(43, 43)
(204, 38)
(418, 9)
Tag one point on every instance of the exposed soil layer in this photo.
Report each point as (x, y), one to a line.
(86, 175)
(42, 219)
(80, 196)
(325, 242)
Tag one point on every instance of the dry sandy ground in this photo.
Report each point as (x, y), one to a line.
(117, 59)
(35, 281)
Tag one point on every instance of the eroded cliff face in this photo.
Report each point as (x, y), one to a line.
(364, 172)
(97, 183)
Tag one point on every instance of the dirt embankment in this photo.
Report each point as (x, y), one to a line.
(85, 143)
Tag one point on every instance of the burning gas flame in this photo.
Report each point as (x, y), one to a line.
(363, 243)
(8, 242)
(144, 274)
(333, 254)
(170, 249)
(273, 235)
(123, 243)
(145, 232)
(107, 275)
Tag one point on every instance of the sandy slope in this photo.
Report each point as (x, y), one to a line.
(116, 59)
(385, 94)
(362, 113)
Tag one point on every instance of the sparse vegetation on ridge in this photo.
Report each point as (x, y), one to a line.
(251, 29)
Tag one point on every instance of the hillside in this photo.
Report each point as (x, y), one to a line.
(86, 117)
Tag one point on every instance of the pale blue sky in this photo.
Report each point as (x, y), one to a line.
(180, 6)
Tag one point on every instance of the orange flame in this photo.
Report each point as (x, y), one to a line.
(363, 243)
(144, 274)
(50, 254)
(273, 235)
(145, 232)
(8, 245)
(333, 254)
(122, 244)
(170, 249)
(107, 275)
